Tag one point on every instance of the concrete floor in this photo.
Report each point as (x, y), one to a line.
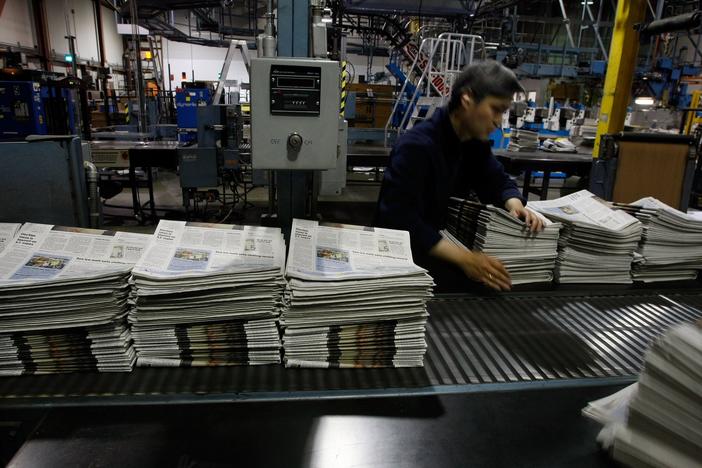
(355, 205)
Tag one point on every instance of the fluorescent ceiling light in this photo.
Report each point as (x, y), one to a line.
(644, 101)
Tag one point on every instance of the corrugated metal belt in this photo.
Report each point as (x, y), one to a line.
(475, 344)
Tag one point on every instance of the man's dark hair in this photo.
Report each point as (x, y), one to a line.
(482, 79)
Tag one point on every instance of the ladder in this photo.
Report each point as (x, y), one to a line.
(234, 44)
(435, 63)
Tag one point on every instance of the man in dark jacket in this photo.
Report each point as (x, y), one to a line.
(449, 155)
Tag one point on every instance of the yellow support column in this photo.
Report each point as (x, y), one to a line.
(623, 52)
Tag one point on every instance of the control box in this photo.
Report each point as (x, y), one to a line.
(294, 113)
(198, 167)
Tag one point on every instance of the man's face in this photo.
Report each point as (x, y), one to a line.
(479, 119)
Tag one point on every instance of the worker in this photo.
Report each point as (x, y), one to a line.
(449, 155)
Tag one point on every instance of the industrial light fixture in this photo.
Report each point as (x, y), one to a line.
(326, 15)
(644, 101)
(589, 2)
(68, 58)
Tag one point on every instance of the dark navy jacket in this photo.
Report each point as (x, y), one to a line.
(428, 165)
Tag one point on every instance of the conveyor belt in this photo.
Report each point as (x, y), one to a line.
(475, 344)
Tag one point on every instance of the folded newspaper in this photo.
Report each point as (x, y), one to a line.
(208, 295)
(529, 257)
(63, 300)
(658, 420)
(671, 245)
(7, 232)
(596, 243)
(354, 298)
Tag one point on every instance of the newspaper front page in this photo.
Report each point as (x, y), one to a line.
(43, 252)
(584, 207)
(333, 252)
(186, 249)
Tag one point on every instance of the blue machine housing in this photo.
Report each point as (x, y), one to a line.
(21, 110)
(187, 102)
(32, 108)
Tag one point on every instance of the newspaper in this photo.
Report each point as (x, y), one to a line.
(208, 295)
(63, 299)
(529, 257)
(43, 252)
(671, 244)
(657, 421)
(7, 233)
(596, 244)
(333, 252)
(584, 207)
(186, 249)
(354, 298)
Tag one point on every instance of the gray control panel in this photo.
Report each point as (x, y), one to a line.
(294, 113)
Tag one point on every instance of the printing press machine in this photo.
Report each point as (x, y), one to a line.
(504, 380)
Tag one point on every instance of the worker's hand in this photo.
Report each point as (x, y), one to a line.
(517, 209)
(487, 270)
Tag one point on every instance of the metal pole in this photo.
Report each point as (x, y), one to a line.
(103, 60)
(566, 21)
(659, 9)
(138, 74)
(39, 14)
(595, 27)
(72, 51)
(582, 20)
(71, 40)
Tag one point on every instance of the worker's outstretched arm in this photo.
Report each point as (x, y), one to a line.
(477, 266)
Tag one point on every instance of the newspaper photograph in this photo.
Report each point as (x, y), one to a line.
(42, 252)
(335, 251)
(187, 249)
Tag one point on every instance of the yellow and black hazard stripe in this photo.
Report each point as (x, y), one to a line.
(344, 87)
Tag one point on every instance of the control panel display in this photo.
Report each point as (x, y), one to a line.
(295, 90)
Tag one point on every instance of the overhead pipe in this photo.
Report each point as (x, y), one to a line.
(684, 22)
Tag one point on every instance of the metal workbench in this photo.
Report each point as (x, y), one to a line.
(144, 154)
(516, 162)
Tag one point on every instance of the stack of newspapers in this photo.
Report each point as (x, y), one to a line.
(658, 420)
(529, 257)
(63, 300)
(208, 295)
(354, 298)
(671, 244)
(596, 244)
(524, 140)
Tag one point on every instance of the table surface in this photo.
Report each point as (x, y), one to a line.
(525, 428)
(544, 156)
(131, 145)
